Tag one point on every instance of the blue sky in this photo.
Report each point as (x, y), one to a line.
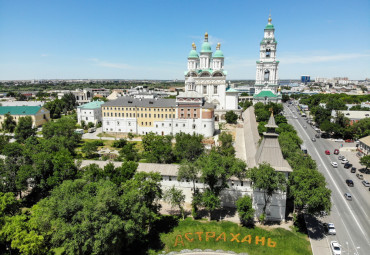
(63, 39)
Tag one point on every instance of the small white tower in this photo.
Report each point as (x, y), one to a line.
(218, 58)
(193, 58)
(267, 67)
(205, 54)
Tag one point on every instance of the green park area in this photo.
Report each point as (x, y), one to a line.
(192, 234)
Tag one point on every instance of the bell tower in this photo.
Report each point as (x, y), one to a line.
(267, 66)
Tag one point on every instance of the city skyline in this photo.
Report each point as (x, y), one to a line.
(152, 39)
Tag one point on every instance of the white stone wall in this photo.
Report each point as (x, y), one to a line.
(89, 115)
(204, 127)
(232, 100)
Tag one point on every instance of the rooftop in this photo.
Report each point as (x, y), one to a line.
(19, 110)
(92, 105)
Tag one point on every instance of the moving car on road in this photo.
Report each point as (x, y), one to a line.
(344, 161)
(348, 196)
(335, 248)
(313, 139)
(340, 157)
(347, 165)
(336, 151)
(317, 135)
(366, 183)
(360, 176)
(349, 183)
(353, 170)
(334, 164)
(329, 228)
(327, 152)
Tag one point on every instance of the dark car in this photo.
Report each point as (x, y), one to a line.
(347, 165)
(353, 170)
(349, 183)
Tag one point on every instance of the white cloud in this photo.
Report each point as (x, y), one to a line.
(110, 64)
(295, 59)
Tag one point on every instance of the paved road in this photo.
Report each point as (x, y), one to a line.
(351, 218)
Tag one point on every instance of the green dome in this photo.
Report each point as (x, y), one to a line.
(193, 54)
(218, 54)
(269, 26)
(206, 47)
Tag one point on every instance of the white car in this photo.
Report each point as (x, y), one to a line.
(339, 140)
(335, 248)
(344, 161)
(334, 164)
(330, 228)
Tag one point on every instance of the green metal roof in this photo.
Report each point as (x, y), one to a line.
(269, 26)
(92, 105)
(193, 54)
(231, 90)
(218, 54)
(265, 93)
(206, 47)
(19, 110)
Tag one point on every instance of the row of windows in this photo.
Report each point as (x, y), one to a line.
(170, 178)
(142, 115)
(139, 109)
(205, 89)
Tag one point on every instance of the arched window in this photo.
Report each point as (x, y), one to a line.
(267, 75)
(268, 53)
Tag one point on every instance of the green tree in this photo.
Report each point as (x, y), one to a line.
(157, 149)
(308, 188)
(89, 149)
(24, 129)
(215, 171)
(245, 210)
(226, 148)
(9, 123)
(176, 198)
(119, 143)
(129, 152)
(188, 147)
(365, 160)
(81, 217)
(268, 181)
(4, 140)
(231, 117)
(189, 171)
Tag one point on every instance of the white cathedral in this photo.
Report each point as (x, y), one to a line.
(267, 79)
(207, 77)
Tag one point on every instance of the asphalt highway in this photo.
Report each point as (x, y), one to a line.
(351, 218)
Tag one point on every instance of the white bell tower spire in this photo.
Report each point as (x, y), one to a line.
(267, 66)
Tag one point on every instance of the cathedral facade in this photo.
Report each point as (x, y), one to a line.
(206, 76)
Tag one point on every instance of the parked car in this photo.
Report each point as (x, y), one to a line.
(348, 196)
(317, 135)
(349, 183)
(364, 170)
(330, 228)
(344, 161)
(349, 141)
(334, 164)
(91, 130)
(335, 248)
(360, 176)
(327, 152)
(366, 183)
(340, 157)
(353, 170)
(347, 165)
(336, 151)
(313, 139)
(339, 140)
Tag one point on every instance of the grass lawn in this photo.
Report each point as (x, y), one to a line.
(192, 234)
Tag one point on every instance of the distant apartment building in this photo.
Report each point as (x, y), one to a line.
(90, 112)
(188, 113)
(39, 115)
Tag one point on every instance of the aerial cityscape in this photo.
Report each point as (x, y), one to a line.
(165, 127)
